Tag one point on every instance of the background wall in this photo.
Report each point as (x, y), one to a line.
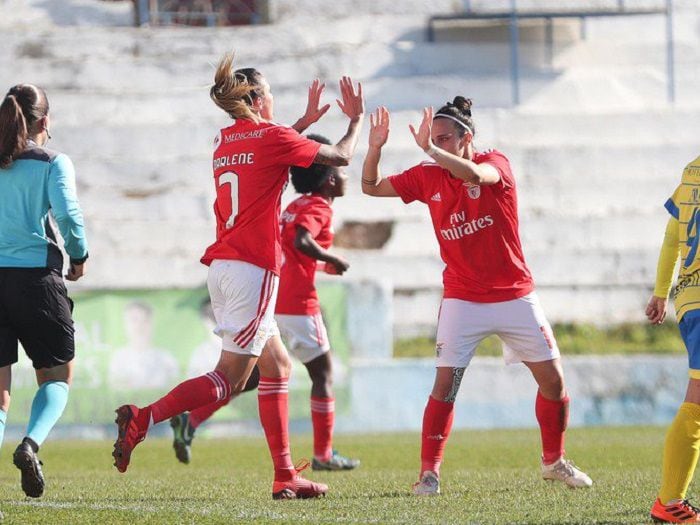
(596, 149)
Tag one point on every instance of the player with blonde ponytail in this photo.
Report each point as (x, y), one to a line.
(251, 164)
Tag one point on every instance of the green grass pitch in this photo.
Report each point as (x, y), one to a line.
(488, 477)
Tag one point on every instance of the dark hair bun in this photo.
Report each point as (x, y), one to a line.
(464, 105)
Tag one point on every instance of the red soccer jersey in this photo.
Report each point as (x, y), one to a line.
(251, 169)
(297, 291)
(476, 227)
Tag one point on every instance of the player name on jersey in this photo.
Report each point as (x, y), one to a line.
(233, 160)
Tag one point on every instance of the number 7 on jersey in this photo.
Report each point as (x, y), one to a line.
(231, 179)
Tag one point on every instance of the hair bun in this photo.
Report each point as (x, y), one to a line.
(463, 104)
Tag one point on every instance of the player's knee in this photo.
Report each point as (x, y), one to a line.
(280, 366)
(552, 387)
(322, 383)
(447, 387)
(284, 365)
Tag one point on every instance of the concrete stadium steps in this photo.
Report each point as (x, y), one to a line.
(415, 313)
(595, 148)
(580, 90)
(560, 268)
(556, 233)
(672, 144)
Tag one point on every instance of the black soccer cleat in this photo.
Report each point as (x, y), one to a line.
(183, 434)
(26, 460)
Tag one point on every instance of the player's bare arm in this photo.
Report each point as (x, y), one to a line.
(305, 243)
(353, 105)
(314, 111)
(372, 182)
(460, 167)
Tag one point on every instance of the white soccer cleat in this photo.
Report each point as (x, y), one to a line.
(565, 470)
(429, 484)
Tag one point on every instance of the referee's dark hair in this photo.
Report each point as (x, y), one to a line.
(311, 179)
(20, 112)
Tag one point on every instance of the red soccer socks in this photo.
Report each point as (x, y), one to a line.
(323, 418)
(201, 414)
(191, 394)
(437, 423)
(274, 417)
(552, 416)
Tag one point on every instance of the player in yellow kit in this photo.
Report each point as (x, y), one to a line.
(682, 445)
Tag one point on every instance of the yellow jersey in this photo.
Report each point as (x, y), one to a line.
(684, 206)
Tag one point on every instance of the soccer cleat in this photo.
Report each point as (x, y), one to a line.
(298, 487)
(680, 511)
(129, 435)
(336, 462)
(26, 460)
(428, 485)
(182, 437)
(565, 470)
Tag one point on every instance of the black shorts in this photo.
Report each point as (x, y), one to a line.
(36, 311)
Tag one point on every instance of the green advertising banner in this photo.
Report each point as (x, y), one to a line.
(133, 346)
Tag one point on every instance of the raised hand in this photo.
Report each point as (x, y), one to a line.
(352, 104)
(313, 112)
(422, 136)
(379, 127)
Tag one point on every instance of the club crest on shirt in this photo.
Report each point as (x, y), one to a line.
(473, 190)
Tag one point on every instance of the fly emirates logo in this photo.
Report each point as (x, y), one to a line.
(460, 227)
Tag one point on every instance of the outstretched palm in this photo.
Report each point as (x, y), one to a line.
(352, 104)
(313, 112)
(379, 127)
(422, 136)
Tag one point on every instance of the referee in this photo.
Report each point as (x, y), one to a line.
(34, 306)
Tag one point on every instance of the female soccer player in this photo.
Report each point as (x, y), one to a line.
(488, 288)
(34, 306)
(683, 437)
(251, 162)
(306, 236)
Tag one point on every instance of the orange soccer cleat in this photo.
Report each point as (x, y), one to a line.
(298, 487)
(129, 435)
(677, 512)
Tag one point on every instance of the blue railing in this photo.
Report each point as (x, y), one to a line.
(514, 15)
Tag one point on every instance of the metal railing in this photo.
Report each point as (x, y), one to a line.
(513, 15)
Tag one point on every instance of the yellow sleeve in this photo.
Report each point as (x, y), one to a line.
(667, 259)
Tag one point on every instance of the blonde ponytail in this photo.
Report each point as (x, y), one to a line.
(234, 91)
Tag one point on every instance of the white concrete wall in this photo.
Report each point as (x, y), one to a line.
(604, 390)
(595, 147)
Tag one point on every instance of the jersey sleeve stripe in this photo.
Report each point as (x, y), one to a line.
(672, 208)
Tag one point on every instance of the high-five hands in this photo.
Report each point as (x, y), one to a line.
(352, 103)
(422, 136)
(379, 127)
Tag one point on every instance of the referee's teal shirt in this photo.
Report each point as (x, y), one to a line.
(38, 181)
